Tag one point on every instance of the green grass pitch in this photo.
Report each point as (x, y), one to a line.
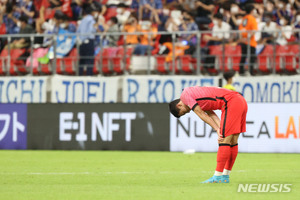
(71, 175)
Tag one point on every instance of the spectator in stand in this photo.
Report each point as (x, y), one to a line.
(22, 42)
(188, 24)
(2, 27)
(10, 20)
(188, 5)
(234, 14)
(132, 26)
(46, 12)
(282, 10)
(27, 8)
(270, 7)
(268, 29)
(48, 9)
(205, 9)
(123, 13)
(220, 31)
(88, 27)
(150, 9)
(249, 24)
(296, 5)
(175, 20)
(65, 24)
(146, 40)
(113, 27)
(297, 24)
(286, 31)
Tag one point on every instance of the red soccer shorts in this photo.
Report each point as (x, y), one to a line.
(233, 118)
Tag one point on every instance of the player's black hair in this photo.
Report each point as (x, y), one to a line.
(173, 108)
(228, 75)
(249, 8)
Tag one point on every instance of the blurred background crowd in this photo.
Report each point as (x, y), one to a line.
(113, 16)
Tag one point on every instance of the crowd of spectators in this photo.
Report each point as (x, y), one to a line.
(113, 16)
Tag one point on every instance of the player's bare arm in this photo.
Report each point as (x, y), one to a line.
(214, 116)
(206, 118)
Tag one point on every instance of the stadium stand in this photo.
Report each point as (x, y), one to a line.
(218, 52)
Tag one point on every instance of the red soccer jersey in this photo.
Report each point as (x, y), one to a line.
(208, 98)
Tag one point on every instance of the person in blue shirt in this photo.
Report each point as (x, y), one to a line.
(87, 29)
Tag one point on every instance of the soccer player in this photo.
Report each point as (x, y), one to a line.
(203, 100)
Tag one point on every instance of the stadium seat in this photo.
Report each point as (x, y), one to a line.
(17, 66)
(177, 69)
(59, 66)
(186, 64)
(70, 62)
(282, 52)
(3, 62)
(46, 68)
(161, 64)
(292, 59)
(106, 60)
(118, 61)
(232, 57)
(110, 12)
(217, 51)
(156, 45)
(164, 67)
(265, 59)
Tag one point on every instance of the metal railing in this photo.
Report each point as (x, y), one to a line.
(221, 61)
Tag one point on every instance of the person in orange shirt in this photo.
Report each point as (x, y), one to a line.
(248, 24)
(146, 41)
(132, 26)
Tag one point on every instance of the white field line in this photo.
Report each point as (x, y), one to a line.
(108, 173)
(130, 172)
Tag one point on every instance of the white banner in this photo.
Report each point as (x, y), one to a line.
(269, 88)
(67, 89)
(271, 128)
(23, 89)
(160, 89)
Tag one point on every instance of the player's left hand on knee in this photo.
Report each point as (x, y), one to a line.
(220, 138)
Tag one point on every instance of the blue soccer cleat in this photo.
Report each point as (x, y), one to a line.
(214, 179)
(225, 178)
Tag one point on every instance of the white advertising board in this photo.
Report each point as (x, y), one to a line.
(67, 89)
(271, 128)
(280, 89)
(160, 89)
(23, 89)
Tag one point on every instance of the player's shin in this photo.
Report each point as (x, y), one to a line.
(222, 157)
(230, 162)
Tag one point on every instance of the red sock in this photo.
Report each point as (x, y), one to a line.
(222, 156)
(233, 154)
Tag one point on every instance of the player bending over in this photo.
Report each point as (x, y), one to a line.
(203, 100)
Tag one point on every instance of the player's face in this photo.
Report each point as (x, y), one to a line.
(183, 109)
